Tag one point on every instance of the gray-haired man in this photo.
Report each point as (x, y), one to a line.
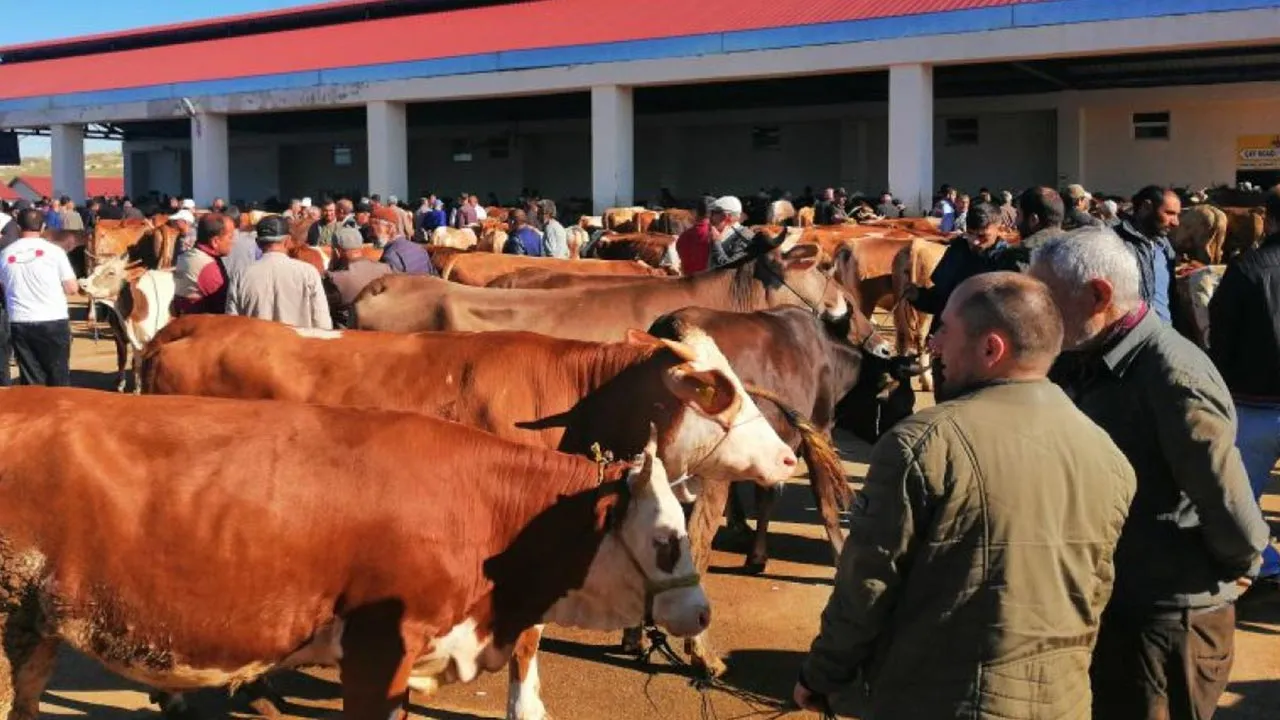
(1194, 533)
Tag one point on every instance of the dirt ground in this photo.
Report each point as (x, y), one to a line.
(763, 625)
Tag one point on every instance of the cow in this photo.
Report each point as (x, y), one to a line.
(914, 265)
(802, 366)
(1193, 288)
(480, 269)
(459, 239)
(575, 394)
(232, 553)
(673, 221)
(138, 302)
(780, 212)
(654, 249)
(1245, 229)
(405, 303)
(633, 219)
(534, 278)
(1201, 234)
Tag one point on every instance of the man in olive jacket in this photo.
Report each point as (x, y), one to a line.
(1194, 535)
(979, 556)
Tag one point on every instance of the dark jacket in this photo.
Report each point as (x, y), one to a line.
(524, 241)
(405, 256)
(1194, 527)
(959, 263)
(978, 562)
(1155, 258)
(1244, 323)
(1077, 218)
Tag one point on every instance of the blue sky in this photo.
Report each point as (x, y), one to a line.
(68, 18)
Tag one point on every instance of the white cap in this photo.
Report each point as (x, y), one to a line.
(728, 204)
(185, 215)
(188, 204)
(306, 202)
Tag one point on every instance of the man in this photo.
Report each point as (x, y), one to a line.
(1146, 233)
(244, 249)
(555, 240)
(185, 223)
(199, 277)
(345, 214)
(363, 214)
(1008, 211)
(279, 287)
(1244, 321)
(295, 209)
(399, 253)
(1077, 211)
(218, 206)
(730, 241)
(129, 212)
(387, 213)
(1040, 214)
(887, 207)
(71, 219)
(477, 208)
(342, 286)
(52, 216)
(37, 278)
(962, 213)
(694, 244)
(1194, 533)
(323, 231)
(5, 217)
(945, 208)
(979, 554)
(522, 239)
(424, 219)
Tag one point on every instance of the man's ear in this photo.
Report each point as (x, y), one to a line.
(1102, 294)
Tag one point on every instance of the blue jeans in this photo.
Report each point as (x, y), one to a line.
(1259, 442)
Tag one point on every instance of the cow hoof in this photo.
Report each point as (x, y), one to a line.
(633, 641)
(710, 666)
(755, 566)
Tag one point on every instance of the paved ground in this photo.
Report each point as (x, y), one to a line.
(763, 624)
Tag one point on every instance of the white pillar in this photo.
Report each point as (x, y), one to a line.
(388, 149)
(67, 146)
(612, 147)
(210, 159)
(911, 136)
(1071, 140)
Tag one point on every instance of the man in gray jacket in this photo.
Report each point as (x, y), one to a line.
(1194, 535)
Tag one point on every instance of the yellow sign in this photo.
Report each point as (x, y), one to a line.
(1258, 152)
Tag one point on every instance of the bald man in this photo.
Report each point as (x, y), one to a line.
(979, 556)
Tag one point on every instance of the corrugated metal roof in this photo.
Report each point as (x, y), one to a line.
(539, 24)
(42, 185)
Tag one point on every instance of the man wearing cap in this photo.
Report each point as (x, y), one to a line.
(730, 241)
(1077, 210)
(342, 286)
(185, 222)
(278, 287)
(199, 277)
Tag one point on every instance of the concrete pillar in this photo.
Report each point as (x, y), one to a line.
(388, 149)
(1071, 140)
(210, 159)
(911, 136)
(67, 146)
(612, 147)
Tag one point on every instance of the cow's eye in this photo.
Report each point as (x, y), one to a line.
(667, 554)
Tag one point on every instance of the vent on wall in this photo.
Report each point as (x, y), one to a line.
(341, 155)
(1151, 126)
(961, 131)
(766, 138)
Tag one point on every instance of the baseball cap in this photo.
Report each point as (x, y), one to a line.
(1077, 192)
(306, 202)
(184, 215)
(348, 238)
(728, 204)
(272, 228)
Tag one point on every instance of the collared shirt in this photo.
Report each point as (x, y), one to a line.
(244, 253)
(282, 289)
(1194, 527)
(404, 256)
(694, 247)
(199, 283)
(1155, 266)
(555, 241)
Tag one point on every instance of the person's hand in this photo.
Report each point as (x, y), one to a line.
(1244, 583)
(806, 699)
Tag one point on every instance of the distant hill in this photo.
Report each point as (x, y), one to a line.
(107, 165)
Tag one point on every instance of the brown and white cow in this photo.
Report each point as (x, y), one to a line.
(138, 301)
(223, 553)
(572, 396)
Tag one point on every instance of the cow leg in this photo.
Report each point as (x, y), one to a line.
(375, 665)
(703, 524)
(737, 514)
(173, 706)
(766, 498)
(26, 664)
(122, 350)
(524, 691)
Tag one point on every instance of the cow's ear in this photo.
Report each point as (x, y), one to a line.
(709, 390)
(607, 508)
(801, 257)
(640, 337)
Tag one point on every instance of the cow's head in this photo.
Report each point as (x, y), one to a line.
(644, 566)
(104, 283)
(711, 429)
(882, 398)
(799, 276)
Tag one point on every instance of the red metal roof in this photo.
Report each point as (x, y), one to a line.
(93, 187)
(522, 26)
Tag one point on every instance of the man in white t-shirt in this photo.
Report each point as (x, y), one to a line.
(37, 278)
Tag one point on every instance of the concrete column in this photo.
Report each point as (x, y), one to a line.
(388, 149)
(210, 159)
(612, 147)
(67, 145)
(911, 136)
(1071, 140)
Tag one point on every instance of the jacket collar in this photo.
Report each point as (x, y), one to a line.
(1119, 351)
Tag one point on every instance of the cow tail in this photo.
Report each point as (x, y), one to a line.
(826, 470)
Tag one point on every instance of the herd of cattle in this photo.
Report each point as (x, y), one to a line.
(425, 492)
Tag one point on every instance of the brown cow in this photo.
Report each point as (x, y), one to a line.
(286, 545)
(409, 303)
(533, 278)
(575, 394)
(1245, 229)
(480, 269)
(1201, 234)
(914, 265)
(673, 221)
(650, 248)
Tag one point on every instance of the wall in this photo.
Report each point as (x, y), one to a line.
(1014, 150)
(307, 169)
(1200, 151)
(255, 173)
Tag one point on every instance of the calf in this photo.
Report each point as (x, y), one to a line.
(138, 302)
(233, 553)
